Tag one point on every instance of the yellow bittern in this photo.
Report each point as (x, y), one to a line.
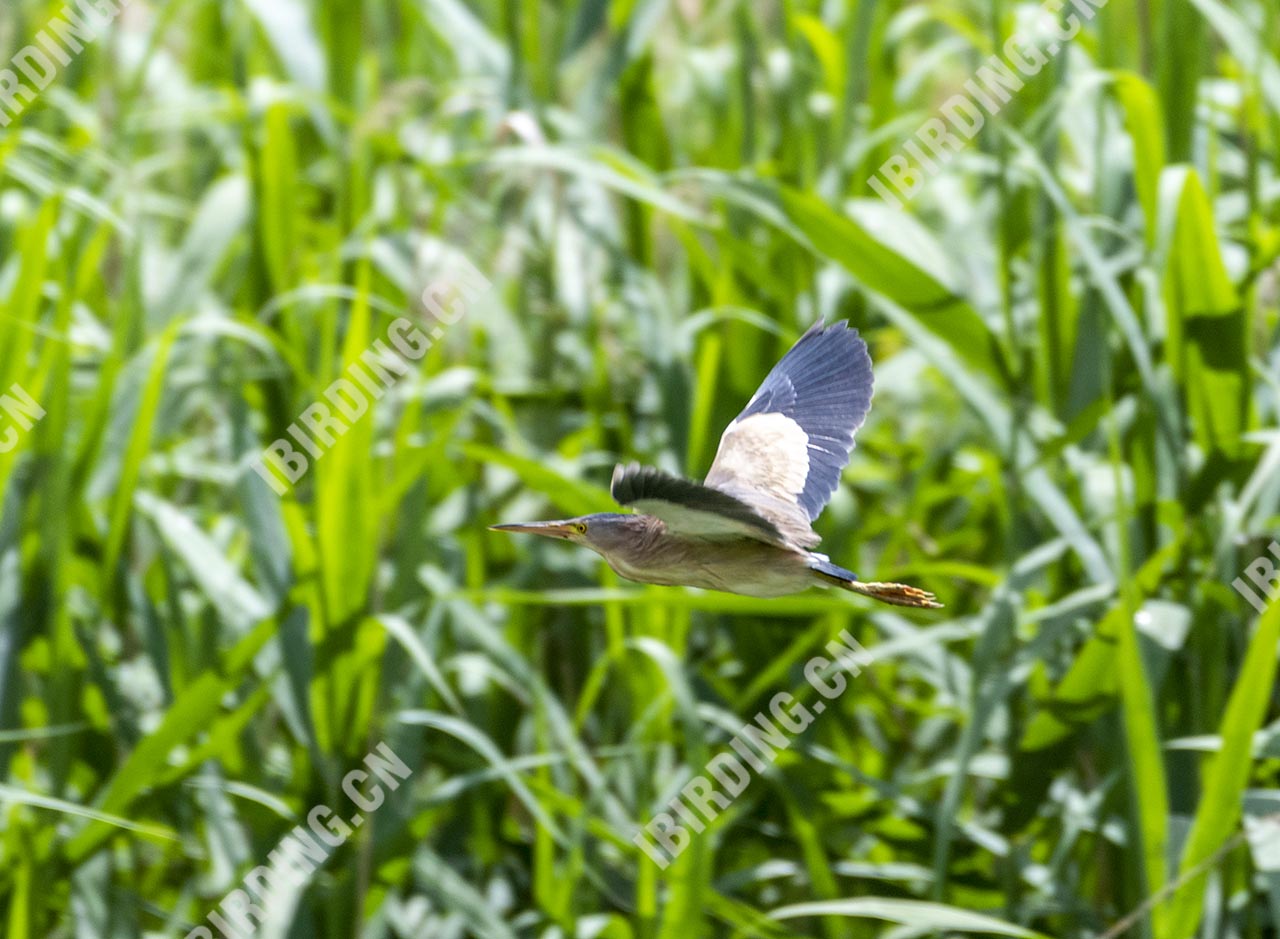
(747, 528)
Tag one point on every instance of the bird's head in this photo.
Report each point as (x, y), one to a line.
(603, 533)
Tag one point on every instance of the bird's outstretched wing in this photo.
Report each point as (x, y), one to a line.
(689, 508)
(784, 453)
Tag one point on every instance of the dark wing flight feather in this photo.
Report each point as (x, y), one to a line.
(689, 508)
(785, 452)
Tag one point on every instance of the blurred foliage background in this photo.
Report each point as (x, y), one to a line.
(1075, 443)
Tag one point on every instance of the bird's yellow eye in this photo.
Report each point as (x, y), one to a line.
(580, 528)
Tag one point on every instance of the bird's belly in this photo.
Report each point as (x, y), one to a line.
(766, 585)
(752, 569)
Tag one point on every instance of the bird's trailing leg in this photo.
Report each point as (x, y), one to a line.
(897, 594)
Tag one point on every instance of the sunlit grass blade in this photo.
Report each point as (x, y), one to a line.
(1227, 772)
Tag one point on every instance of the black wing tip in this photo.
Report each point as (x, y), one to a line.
(635, 482)
(821, 328)
(839, 331)
(623, 487)
(632, 481)
(827, 354)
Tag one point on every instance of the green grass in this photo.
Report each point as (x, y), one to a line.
(1075, 444)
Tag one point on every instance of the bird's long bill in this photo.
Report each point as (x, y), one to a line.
(548, 529)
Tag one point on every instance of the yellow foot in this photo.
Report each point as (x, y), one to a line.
(897, 594)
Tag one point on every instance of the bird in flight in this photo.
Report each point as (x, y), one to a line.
(747, 528)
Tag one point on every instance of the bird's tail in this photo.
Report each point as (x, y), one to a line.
(897, 594)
